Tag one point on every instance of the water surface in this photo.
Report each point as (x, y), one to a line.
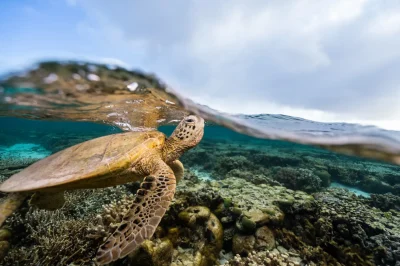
(134, 100)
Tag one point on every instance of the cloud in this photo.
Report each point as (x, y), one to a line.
(387, 23)
(291, 30)
(329, 60)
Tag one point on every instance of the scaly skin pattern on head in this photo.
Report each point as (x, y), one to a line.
(187, 135)
(154, 196)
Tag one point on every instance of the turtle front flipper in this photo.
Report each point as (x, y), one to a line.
(10, 204)
(178, 169)
(150, 204)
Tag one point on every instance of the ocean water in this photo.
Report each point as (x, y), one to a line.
(260, 156)
(351, 189)
(267, 189)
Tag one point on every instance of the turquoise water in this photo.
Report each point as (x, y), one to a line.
(46, 136)
(24, 151)
(351, 189)
(225, 151)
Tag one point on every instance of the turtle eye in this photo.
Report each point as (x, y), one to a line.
(189, 120)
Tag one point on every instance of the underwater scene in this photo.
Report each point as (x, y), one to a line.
(104, 166)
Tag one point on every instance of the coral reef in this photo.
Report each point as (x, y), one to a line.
(195, 239)
(202, 232)
(5, 235)
(10, 166)
(253, 178)
(231, 221)
(336, 222)
(248, 213)
(59, 237)
(265, 238)
(345, 226)
(267, 258)
(153, 253)
(54, 239)
(110, 218)
(303, 168)
(243, 244)
(298, 178)
(384, 202)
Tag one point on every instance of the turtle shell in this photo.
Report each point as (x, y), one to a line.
(100, 162)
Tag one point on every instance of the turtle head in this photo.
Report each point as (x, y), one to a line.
(187, 135)
(189, 131)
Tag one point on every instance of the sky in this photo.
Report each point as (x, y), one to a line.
(327, 61)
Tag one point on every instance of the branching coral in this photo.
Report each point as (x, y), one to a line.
(68, 234)
(262, 258)
(110, 218)
(54, 239)
(80, 203)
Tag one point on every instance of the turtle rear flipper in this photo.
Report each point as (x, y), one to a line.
(10, 204)
(178, 169)
(150, 204)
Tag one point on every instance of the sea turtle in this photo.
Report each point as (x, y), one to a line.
(109, 161)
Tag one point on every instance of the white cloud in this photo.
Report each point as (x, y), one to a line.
(321, 60)
(387, 23)
(293, 28)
